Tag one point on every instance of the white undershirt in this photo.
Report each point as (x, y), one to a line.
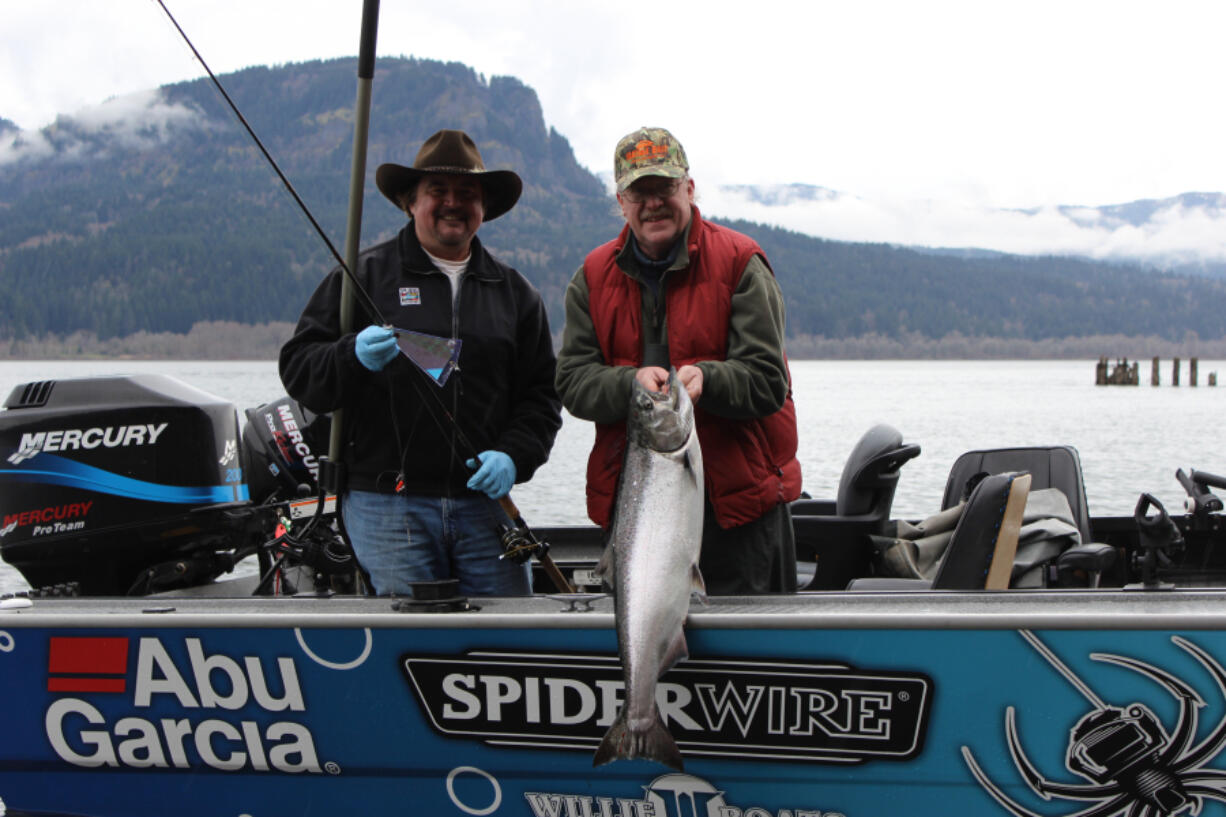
(452, 269)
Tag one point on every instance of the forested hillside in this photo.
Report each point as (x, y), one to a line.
(840, 289)
(117, 235)
(117, 230)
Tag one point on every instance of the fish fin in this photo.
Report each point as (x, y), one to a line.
(677, 650)
(698, 587)
(604, 569)
(656, 744)
(689, 468)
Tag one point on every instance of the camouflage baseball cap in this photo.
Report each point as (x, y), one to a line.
(648, 152)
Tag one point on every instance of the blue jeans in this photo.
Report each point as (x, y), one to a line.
(400, 538)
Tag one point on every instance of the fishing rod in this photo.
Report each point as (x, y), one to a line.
(519, 542)
(367, 303)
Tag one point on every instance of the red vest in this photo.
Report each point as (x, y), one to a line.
(750, 465)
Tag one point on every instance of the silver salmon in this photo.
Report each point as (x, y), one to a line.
(651, 561)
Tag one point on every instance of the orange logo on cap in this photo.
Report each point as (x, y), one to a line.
(646, 149)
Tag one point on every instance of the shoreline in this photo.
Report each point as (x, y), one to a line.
(228, 340)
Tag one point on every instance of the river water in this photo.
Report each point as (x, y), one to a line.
(1131, 439)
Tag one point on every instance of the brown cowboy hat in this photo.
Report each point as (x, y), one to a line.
(452, 152)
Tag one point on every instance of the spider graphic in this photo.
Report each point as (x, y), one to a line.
(1134, 767)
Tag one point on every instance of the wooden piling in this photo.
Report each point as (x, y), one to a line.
(1175, 372)
(1154, 380)
(1192, 372)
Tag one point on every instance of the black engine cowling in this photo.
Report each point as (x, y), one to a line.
(102, 479)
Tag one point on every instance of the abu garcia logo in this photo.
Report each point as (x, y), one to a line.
(81, 734)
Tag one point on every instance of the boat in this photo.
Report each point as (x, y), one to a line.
(146, 673)
(141, 676)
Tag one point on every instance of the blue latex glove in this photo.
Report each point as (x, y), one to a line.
(375, 347)
(495, 476)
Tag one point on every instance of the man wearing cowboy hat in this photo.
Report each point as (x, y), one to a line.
(412, 505)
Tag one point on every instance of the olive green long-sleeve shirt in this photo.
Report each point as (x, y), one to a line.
(751, 382)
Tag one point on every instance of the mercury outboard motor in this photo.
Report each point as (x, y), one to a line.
(279, 445)
(105, 480)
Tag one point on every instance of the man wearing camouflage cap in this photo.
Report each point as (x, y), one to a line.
(675, 290)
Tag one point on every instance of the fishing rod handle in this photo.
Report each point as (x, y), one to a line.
(511, 510)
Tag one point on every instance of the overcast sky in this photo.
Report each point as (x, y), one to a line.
(1003, 103)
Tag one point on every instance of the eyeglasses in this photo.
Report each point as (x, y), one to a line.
(638, 195)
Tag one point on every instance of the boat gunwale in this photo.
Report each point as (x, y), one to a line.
(1185, 609)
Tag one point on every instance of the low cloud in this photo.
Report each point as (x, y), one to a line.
(135, 121)
(19, 144)
(1173, 232)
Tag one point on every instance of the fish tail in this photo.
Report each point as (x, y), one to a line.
(608, 750)
(656, 744)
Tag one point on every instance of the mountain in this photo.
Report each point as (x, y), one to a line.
(155, 212)
(1184, 234)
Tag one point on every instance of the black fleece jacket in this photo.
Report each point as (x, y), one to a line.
(502, 396)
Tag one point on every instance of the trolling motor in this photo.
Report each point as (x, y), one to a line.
(316, 546)
(1159, 540)
(279, 444)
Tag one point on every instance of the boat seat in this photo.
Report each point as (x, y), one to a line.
(1058, 467)
(831, 535)
(981, 550)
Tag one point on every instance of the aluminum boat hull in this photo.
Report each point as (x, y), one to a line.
(839, 703)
